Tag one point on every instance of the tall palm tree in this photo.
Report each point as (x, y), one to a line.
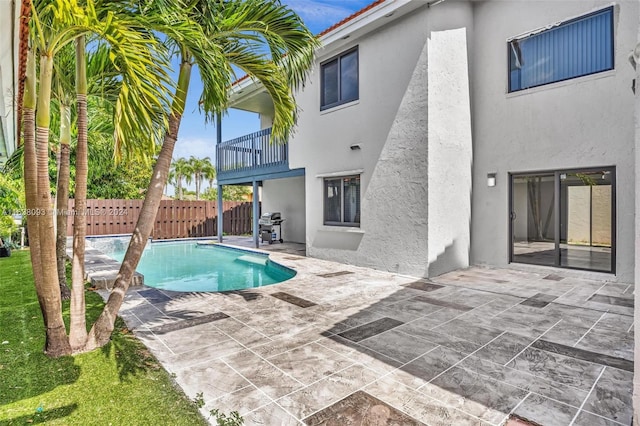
(180, 169)
(209, 173)
(78, 326)
(236, 33)
(198, 167)
(62, 90)
(55, 25)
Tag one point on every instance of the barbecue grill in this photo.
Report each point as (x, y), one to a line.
(271, 227)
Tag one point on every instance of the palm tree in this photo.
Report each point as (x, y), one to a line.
(62, 89)
(198, 167)
(54, 26)
(180, 168)
(209, 173)
(234, 32)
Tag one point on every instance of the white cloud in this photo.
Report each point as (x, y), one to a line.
(198, 147)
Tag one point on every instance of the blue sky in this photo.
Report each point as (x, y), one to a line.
(196, 138)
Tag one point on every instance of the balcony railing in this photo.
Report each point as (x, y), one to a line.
(251, 155)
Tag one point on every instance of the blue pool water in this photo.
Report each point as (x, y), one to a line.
(187, 266)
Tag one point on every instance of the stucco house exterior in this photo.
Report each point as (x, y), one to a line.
(9, 64)
(435, 135)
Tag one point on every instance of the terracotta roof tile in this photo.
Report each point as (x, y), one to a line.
(351, 17)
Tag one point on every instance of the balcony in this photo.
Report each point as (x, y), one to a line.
(251, 157)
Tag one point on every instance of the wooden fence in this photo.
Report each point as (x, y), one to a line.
(175, 219)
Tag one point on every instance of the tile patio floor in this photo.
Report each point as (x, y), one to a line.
(340, 345)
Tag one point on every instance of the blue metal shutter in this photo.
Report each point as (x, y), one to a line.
(575, 48)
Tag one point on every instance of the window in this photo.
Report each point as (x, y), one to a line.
(339, 80)
(575, 48)
(342, 201)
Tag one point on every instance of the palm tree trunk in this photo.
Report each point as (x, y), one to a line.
(78, 325)
(31, 176)
(101, 331)
(57, 342)
(62, 199)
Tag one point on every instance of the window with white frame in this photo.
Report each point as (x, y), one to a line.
(339, 79)
(575, 48)
(342, 201)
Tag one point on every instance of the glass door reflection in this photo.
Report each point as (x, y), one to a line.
(586, 220)
(533, 216)
(564, 218)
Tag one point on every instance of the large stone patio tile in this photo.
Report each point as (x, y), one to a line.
(360, 354)
(565, 333)
(327, 391)
(524, 380)
(474, 394)
(360, 408)
(420, 330)
(150, 316)
(468, 331)
(151, 341)
(419, 405)
(398, 345)
(263, 374)
(204, 354)
(559, 368)
(545, 411)
(271, 414)
(284, 344)
(612, 396)
(277, 322)
(422, 370)
(213, 379)
(503, 348)
(373, 328)
(585, 418)
(499, 304)
(310, 362)
(614, 343)
(436, 318)
(192, 338)
(242, 333)
(406, 310)
(615, 322)
(243, 401)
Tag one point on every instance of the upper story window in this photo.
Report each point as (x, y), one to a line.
(339, 79)
(342, 201)
(574, 48)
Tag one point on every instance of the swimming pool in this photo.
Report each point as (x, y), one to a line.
(189, 266)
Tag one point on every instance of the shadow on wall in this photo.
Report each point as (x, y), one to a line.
(452, 258)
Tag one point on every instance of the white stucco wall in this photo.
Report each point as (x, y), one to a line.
(450, 151)
(287, 197)
(584, 122)
(8, 66)
(390, 123)
(636, 310)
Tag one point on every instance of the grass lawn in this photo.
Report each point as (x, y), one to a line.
(120, 384)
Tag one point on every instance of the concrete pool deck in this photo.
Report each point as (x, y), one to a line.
(340, 344)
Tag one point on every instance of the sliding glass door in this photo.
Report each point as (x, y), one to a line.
(564, 218)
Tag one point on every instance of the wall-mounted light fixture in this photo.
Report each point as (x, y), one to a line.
(355, 147)
(491, 179)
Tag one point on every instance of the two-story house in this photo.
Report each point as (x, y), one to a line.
(435, 135)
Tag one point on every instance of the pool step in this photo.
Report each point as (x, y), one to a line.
(256, 260)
